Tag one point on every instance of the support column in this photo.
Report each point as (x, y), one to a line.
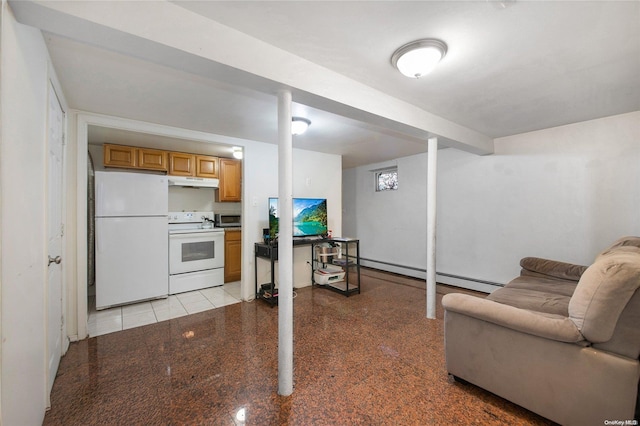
(432, 162)
(285, 245)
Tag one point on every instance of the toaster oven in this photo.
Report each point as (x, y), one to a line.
(227, 220)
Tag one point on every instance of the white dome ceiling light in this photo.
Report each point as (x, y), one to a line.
(237, 152)
(299, 125)
(419, 57)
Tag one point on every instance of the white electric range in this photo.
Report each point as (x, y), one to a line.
(196, 252)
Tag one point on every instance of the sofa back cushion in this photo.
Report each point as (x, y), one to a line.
(603, 292)
(535, 266)
(624, 242)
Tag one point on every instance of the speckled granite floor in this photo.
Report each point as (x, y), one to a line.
(370, 359)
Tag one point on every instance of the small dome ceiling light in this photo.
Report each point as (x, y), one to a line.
(419, 57)
(299, 125)
(237, 152)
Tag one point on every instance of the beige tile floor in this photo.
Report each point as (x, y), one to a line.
(178, 305)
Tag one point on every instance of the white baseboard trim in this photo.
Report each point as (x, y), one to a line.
(442, 278)
(468, 284)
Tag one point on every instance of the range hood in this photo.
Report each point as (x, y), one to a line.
(196, 182)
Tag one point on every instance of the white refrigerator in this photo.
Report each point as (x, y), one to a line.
(131, 237)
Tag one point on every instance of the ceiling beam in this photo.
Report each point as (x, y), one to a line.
(165, 33)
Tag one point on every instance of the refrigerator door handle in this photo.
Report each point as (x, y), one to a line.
(99, 197)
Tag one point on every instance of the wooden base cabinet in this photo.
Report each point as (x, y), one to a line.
(232, 255)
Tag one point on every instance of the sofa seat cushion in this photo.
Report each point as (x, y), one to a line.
(544, 285)
(533, 300)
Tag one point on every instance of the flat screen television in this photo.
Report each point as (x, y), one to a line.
(309, 217)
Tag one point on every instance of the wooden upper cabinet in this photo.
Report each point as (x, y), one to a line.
(152, 159)
(230, 180)
(120, 156)
(175, 163)
(181, 164)
(206, 166)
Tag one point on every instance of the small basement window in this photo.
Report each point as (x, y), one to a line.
(387, 180)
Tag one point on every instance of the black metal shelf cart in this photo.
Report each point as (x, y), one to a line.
(336, 265)
(266, 291)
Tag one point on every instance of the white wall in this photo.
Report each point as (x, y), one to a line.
(315, 175)
(563, 193)
(24, 74)
(391, 225)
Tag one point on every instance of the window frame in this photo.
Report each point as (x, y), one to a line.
(387, 170)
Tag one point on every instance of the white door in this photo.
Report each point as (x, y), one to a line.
(54, 235)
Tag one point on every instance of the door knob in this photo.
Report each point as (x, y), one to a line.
(55, 260)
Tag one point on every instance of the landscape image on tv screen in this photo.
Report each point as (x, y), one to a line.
(309, 216)
(273, 217)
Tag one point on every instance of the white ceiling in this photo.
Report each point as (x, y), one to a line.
(524, 67)
(511, 67)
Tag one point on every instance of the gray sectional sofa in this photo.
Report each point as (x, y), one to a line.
(561, 340)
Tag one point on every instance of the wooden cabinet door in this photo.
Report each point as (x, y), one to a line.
(152, 159)
(181, 164)
(230, 180)
(119, 156)
(206, 166)
(232, 255)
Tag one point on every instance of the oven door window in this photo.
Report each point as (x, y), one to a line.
(201, 250)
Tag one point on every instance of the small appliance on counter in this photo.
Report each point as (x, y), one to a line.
(196, 252)
(228, 220)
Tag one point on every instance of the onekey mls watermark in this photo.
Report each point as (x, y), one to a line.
(621, 422)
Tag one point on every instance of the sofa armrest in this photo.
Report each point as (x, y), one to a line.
(552, 268)
(548, 326)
